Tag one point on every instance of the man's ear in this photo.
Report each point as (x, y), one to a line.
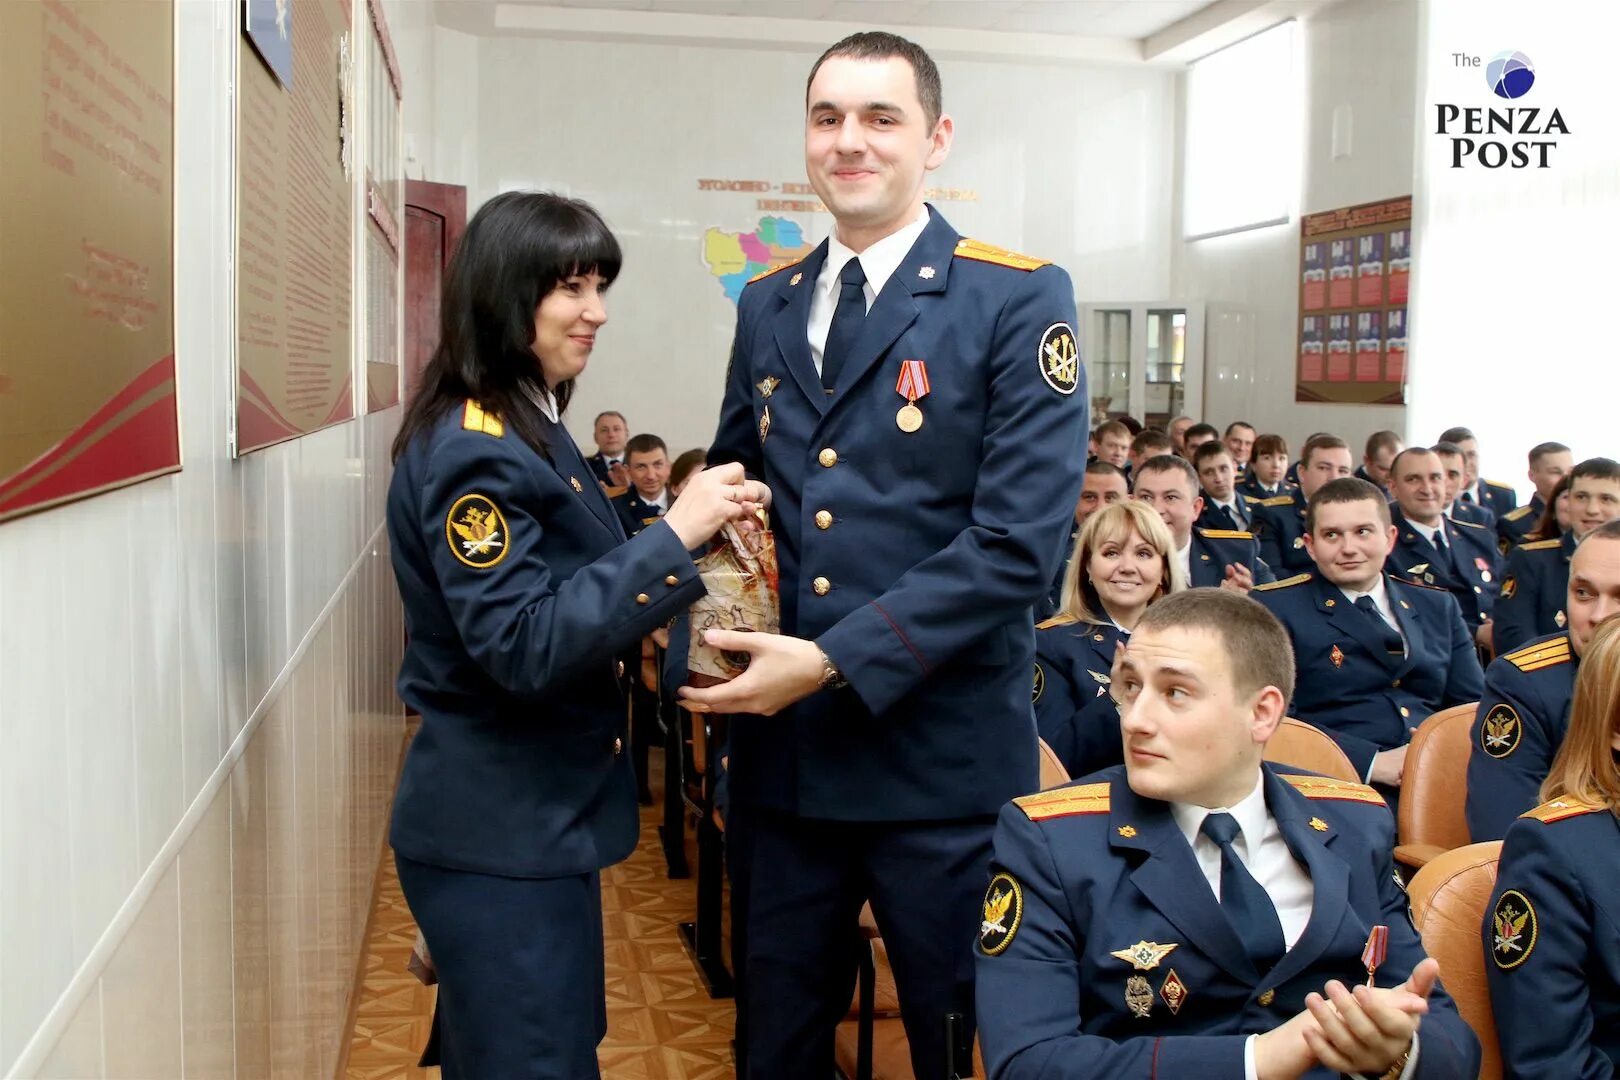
(1266, 715)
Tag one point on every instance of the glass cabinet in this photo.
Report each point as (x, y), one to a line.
(1143, 360)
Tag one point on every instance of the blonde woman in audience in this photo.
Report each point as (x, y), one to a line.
(1552, 932)
(1123, 561)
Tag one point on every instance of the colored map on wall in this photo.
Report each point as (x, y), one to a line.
(735, 257)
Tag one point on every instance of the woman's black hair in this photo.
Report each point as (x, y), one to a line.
(516, 249)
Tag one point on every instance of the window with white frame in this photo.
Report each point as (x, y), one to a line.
(1240, 164)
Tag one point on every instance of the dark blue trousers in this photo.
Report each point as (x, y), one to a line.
(521, 979)
(805, 883)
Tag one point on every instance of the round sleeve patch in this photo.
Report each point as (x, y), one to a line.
(476, 531)
(1003, 911)
(1059, 358)
(1500, 731)
(1040, 684)
(1513, 930)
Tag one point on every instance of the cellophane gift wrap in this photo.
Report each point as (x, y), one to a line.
(739, 571)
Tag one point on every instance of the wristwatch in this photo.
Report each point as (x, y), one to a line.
(831, 677)
(1395, 1070)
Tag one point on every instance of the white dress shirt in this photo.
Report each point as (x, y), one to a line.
(1232, 508)
(1380, 599)
(662, 502)
(1184, 557)
(879, 261)
(544, 400)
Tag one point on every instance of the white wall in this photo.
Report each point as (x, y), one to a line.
(196, 710)
(1359, 54)
(1071, 163)
(1514, 275)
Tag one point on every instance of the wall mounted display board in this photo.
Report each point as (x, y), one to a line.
(385, 213)
(87, 391)
(294, 231)
(1354, 264)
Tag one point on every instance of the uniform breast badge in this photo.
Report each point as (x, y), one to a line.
(573, 482)
(1138, 997)
(767, 386)
(1144, 955)
(1375, 951)
(764, 423)
(1337, 656)
(1560, 619)
(1174, 992)
(913, 386)
(1484, 569)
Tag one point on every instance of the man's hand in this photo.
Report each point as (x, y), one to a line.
(1482, 636)
(618, 475)
(1239, 578)
(1282, 1053)
(1366, 1030)
(781, 670)
(1388, 765)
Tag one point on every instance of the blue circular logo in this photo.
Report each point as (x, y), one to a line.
(1510, 75)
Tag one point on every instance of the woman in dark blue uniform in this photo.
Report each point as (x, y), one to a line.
(1124, 560)
(521, 594)
(1552, 933)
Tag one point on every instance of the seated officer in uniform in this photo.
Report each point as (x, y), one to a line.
(1494, 495)
(1150, 442)
(1113, 441)
(1224, 506)
(1433, 549)
(1178, 434)
(1536, 576)
(1520, 722)
(1550, 462)
(1279, 522)
(648, 496)
(1376, 654)
(1239, 439)
(1455, 465)
(1197, 436)
(607, 464)
(1195, 912)
(1268, 469)
(1104, 485)
(1122, 562)
(1378, 456)
(1552, 933)
(1214, 557)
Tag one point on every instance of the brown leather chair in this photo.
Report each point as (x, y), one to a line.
(1304, 746)
(1434, 786)
(889, 1054)
(1449, 896)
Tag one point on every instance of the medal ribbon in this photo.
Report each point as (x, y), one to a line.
(1376, 950)
(913, 381)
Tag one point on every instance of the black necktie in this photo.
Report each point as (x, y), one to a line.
(846, 322)
(1391, 637)
(1247, 907)
(1228, 514)
(1444, 550)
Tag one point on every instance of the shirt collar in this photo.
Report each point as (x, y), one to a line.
(879, 261)
(1379, 595)
(1249, 811)
(543, 400)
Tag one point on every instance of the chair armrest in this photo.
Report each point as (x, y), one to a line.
(1415, 855)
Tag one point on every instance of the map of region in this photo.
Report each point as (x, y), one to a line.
(735, 257)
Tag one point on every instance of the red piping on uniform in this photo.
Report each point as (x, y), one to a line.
(1154, 1072)
(915, 655)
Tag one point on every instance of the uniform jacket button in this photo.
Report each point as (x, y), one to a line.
(823, 519)
(1268, 997)
(828, 458)
(672, 580)
(618, 746)
(822, 586)
(621, 669)
(1405, 712)
(642, 598)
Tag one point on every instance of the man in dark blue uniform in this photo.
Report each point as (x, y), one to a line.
(1102, 486)
(1455, 464)
(1524, 712)
(1550, 462)
(1376, 654)
(1377, 457)
(607, 464)
(1493, 495)
(644, 502)
(1536, 577)
(1431, 548)
(916, 402)
(1239, 440)
(1279, 522)
(1196, 912)
(1225, 507)
(1207, 557)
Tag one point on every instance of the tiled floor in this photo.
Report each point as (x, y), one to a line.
(662, 1024)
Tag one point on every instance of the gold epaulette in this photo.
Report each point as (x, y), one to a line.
(474, 418)
(982, 252)
(1284, 583)
(1467, 524)
(1516, 515)
(1065, 802)
(1541, 545)
(1274, 500)
(1542, 655)
(1499, 484)
(1226, 534)
(763, 274)
(1325, 787)
(1560, 808)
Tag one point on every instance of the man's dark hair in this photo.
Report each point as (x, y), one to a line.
(1204, 451)
(1446, 448)
(1541, 450)
(644, 444)
(1198, 431)
(1457, 435)
(1320, 442)
(1395, 462)
(1258, 651)
(609, 412)
(1152, 441)
(1346, 489)
(1111, 427)
(1595, 468)
(1609, 530)
(1234, 425)
(1379, 441)
(1104, 468)
(878, 45)
(1172, 463)
(1132, 424)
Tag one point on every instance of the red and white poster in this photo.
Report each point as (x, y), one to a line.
(1311, 349)
(1400, 264)
(1342, 273)
(1353, 265)
(1370, 270)
(1313, 278)
(1395, 347)
(1338, 350)
(1369, 346)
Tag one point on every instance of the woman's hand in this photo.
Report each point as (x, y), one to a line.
(713, 497)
